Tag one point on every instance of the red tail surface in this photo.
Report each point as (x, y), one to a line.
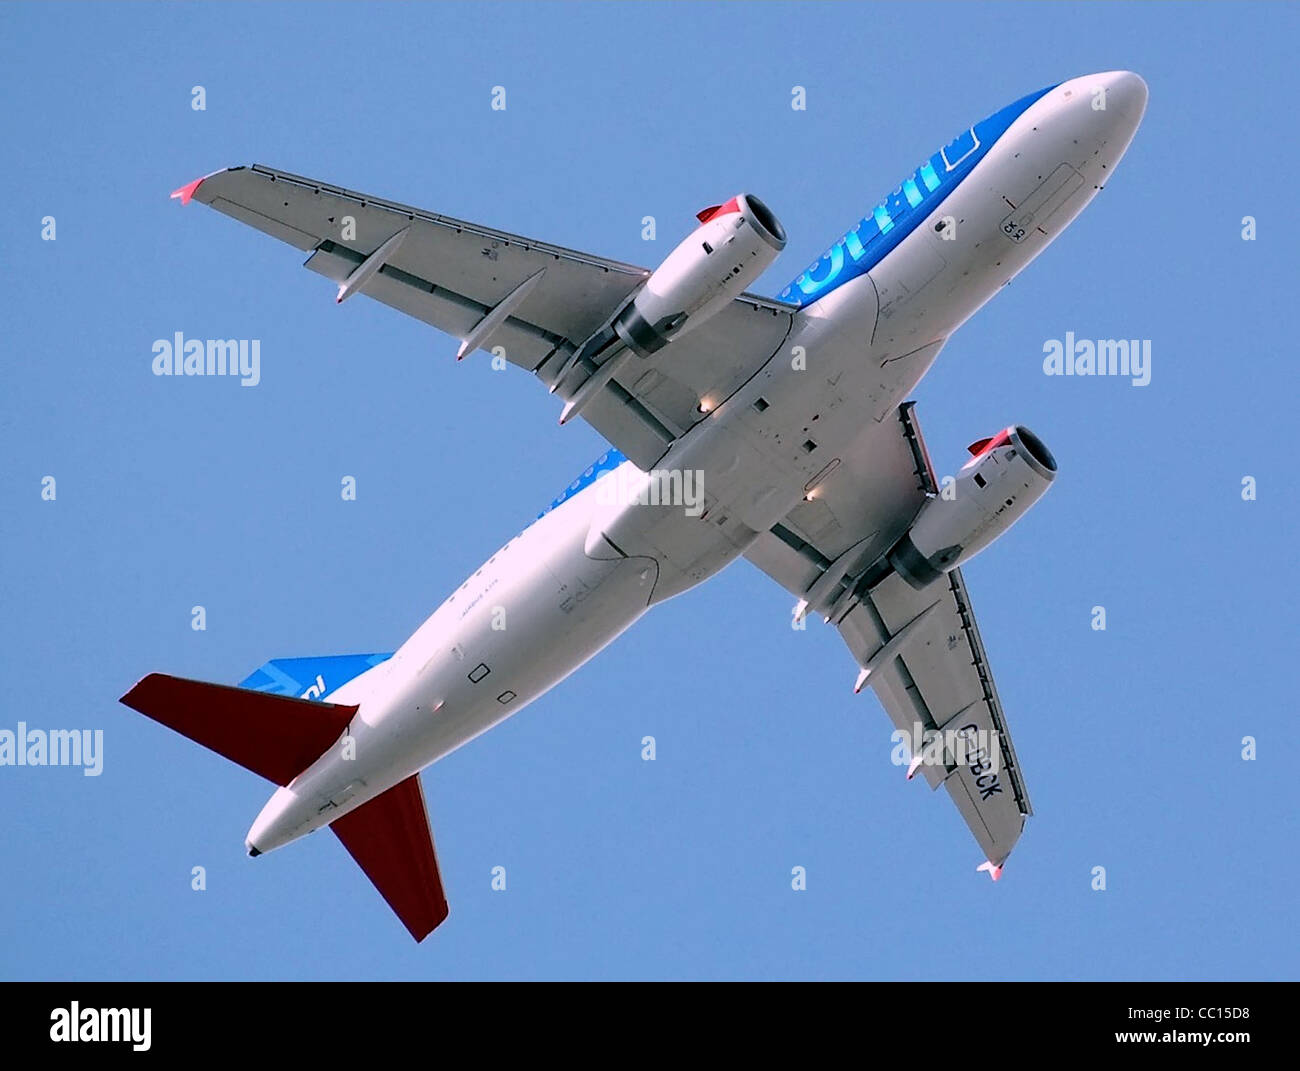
(272, 735)
(389, 837)
(278, 737)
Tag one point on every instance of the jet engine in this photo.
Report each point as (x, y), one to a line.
(1007, 474)
(732, 246)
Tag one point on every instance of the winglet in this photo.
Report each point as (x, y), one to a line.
(915, 765)
(186, 192)
(994, 872)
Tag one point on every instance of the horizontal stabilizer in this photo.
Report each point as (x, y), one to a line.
(310, 678)
(272, 735)
(389, 837)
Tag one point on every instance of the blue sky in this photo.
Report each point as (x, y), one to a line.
(180, 492)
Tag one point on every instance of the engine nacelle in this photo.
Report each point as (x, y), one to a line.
(995, 488)
(732, 246)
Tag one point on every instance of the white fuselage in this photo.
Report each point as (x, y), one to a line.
(566, 586)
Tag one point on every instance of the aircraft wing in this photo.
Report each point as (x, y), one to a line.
(535, 301)
(927, 663)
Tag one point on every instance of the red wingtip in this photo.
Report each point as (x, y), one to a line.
(186, 192)
(994, 872)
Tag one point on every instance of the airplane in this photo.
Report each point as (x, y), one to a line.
(775, 430)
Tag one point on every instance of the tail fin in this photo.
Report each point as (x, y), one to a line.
(310, 678)
(272, 735)
(278, 737)
(389, 837)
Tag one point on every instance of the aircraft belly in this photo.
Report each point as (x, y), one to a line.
(532, 633)
(532, 615)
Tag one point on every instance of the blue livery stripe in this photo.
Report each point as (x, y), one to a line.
(310, 678)
(607, 462)
(899, 214)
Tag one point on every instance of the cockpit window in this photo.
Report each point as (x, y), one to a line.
(959, 148)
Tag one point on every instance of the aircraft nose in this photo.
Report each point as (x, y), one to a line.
(1126, 92)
